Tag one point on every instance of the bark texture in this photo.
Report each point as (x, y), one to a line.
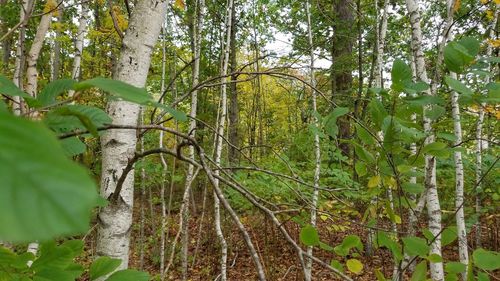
(433, 206)
(119, 145)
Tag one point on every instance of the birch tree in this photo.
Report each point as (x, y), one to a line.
(218, 138)
(80, 35)
(317, 148)
(115, 220)
(433, 206)
(36, 46)
(480, 144)
(197, 39)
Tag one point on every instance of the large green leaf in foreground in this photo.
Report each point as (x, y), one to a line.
(43, 194)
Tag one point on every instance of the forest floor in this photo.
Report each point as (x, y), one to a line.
(277, 255)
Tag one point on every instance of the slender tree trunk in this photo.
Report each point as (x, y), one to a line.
(115, 220)
(197, 39)
(480, 144)
(34, 52)
(234, 111)
(56, 51)
(80, 35)
(218, 138)
(24, 15)
(433, 206)
(317, 148)
(163, 163)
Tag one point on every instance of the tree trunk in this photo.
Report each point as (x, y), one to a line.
(196, 39)
(480, 143)
(317, 148)
(56, 51)
(234, 111)
(343, 65)
(24, 15)
(433, 206)
(82, 27)
(34, 52)
(115, 220)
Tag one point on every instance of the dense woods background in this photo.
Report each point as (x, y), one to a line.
(249, 140)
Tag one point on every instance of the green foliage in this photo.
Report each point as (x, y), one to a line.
(103, 266)
(309, 236)
(487, 260)
(44, 194)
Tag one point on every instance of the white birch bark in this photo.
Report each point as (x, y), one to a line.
(463, 252)
(480, 144)
(163, 163)
(34, 53)
(197, 39)
(433, 206)
(317, 148)
(80, 35)
(118, 146)
(24, 15)
(218, 139)
(381, 32)
(56, 51)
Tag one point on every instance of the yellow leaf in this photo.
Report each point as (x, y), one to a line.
(323, 217)
(497, 2)
(495, 43)
(397, 219)
(180, 4)
(354, 266)
(489, 14)
(374, 181)
(483, 1)
(50, 6)
(456, 7)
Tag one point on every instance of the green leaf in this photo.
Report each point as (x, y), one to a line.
(363, 154)
(455, 267)
(73, 146)
(55, 88)
(416, 246)
(448, 235)
(103, 266)
(483, 276)
(325, 246)
(128, 275)
(354, 266)
(309, 235)
(384, 240)
(76, 117)
(433, 112)
(435, 146)
(8, 88)
(331, 127)
(446, 136)
(44, 194)
(458, 54)
(49, 274)
(487, 260)
(380, 276)
(420, 272)
(54, 256)
(458, 86)
(118, 89)
(360, 168)
(434, 258)
(364, 135)
(378, 112)
(400, 75)
(413, 188)
(337, 265)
